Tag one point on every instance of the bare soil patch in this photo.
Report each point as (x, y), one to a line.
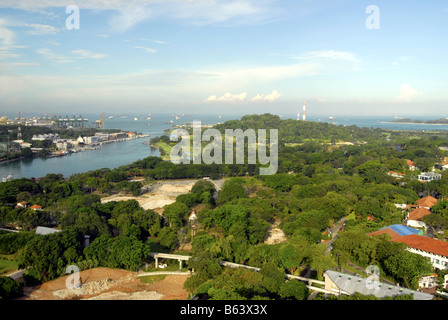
(158, 195)
(110, 284)
(276, 235)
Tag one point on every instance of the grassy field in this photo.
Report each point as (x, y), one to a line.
(7, 266)
(165, 147)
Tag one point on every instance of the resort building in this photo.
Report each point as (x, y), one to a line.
(435, 250)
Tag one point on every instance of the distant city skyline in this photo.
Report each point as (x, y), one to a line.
(227, 57)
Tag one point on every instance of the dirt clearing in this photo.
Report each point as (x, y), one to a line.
(110, 284)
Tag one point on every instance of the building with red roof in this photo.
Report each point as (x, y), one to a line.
(435, 250)
(427, 202)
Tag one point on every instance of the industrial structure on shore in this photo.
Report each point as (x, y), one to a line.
(304, 112)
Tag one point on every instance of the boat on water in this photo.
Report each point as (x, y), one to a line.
(330, 118)
(111, 117)
(148, 124)
(135, 118)
(149, 118)
(177, 118)
(169, 122)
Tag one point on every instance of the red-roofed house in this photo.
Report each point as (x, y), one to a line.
(397, 175)
(192, 216)
(22, 204)
(415, 217)
(36, 207)
(435, 250)
(427, 202)
(411, 165)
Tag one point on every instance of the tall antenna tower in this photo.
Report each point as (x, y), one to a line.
(298, 115)
(304, 111)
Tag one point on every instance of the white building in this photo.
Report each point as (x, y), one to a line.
(429, 176)
(90, 140)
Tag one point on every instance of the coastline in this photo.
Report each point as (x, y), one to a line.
(418, 123)
(93, 146)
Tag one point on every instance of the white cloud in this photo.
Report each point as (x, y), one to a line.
(328, 54)
(41, 29)
(86, 54)
(149, 50)
(50, 55)
(132, 12)
(7, 36)
(269, 97)
(407, 94)
(229, 97)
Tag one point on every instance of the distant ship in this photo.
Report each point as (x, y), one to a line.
(148, 124)
(219, 117)
(330, 118)
(177, 118)
(111, 117)
(135, 118)
(169, 122)
(149, 118)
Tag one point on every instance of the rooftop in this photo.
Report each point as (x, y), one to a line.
(418, 214)
(45, 230)
(424, 243)
(395, 231)
(427, 202)
(353, 284)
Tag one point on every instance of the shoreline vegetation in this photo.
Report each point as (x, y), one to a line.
(439, 122)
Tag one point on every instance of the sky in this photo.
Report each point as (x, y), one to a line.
(225, 57)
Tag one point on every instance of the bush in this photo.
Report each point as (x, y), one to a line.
(9, 288)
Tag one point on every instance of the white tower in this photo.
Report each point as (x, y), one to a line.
(304, 111)
(298, 115)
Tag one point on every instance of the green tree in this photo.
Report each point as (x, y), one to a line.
(293, 289)
(9, 288)
(408, 267)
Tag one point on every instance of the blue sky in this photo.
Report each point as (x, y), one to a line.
(215, 56)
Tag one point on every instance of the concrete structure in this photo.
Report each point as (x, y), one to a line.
(45, 230)
(435, 250)
(90, 140)
(158, 256)
(349, 284)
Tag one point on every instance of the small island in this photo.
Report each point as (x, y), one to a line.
(441, 121)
